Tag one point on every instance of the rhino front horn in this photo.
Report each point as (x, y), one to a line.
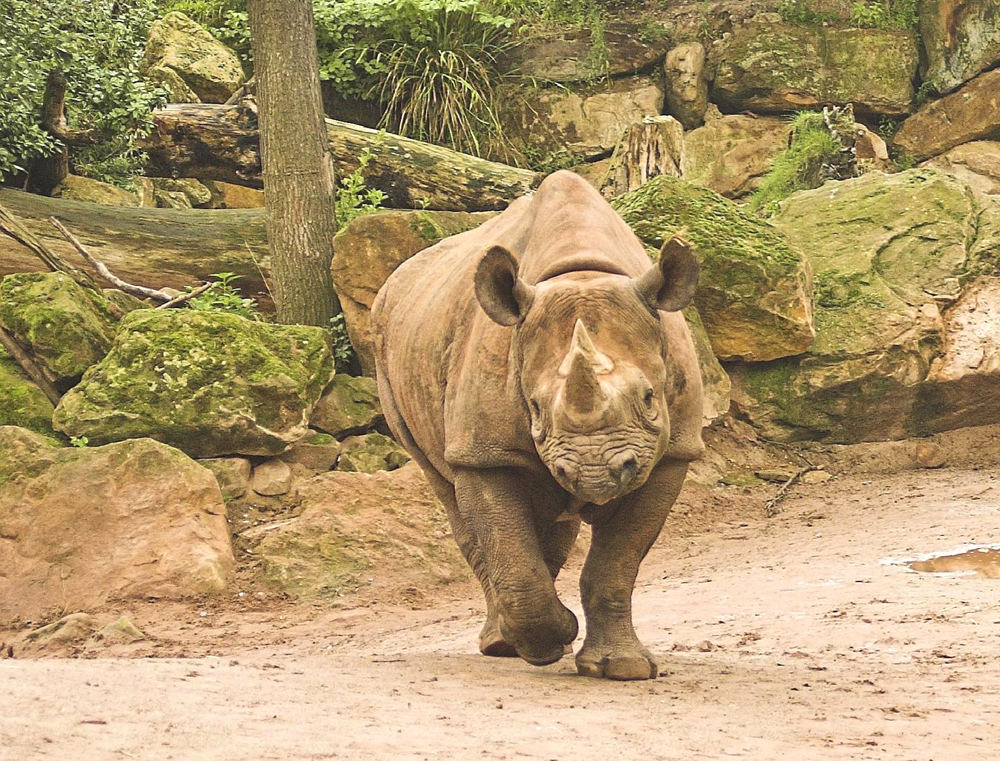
(583, 393)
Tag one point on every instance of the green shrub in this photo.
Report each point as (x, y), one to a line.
(885, 14)
(224, 296)
(800, 165)
(431, 64)
(354, 198)
(98, 46)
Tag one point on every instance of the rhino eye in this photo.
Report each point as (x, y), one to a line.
(535, 409)
(648, 397)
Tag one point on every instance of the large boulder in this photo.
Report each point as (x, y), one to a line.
(584, 122)
(977, 164)
(22, 403)
(775, 68)
(687, 83)
(963, 386)
(885, 250)
(370, 248)
(961, 38)
(386, 530)
(65, 327)
(970, 113)
(210, 69)
(754, 291)
(731, 154)
(348, 406)
(82, 525)
(76, 188)
(370, 454)
(569, 55)
(208, 383)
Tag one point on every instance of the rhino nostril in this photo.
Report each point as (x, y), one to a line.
(565, 471)
(624, 468)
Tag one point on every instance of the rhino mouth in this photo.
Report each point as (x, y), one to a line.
(601, 482)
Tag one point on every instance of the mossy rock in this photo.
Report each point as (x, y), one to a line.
(210, 69)
(65, 327)
(349, 406)
(22, 403)
(885, 249)
(754, 291)
(75, 188)
(778, 68)
(370, 454)
(961, 38)
(209, 383)
(355, 529)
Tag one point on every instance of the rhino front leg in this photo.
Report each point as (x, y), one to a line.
(496, 504)
(619, 544)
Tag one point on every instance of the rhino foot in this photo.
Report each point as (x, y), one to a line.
(492, 643)
(626, 663)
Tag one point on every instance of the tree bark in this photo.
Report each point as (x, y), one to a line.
(299, 190)
(164, 248)
(48, 171)
(213, 142)
(650, 148)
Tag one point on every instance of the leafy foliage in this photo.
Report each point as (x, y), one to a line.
(800, 165)
(885, 14)
(354, 197)
(98, 45)
(340, 344)
(431, 64)
(224, 296)
(870, 14)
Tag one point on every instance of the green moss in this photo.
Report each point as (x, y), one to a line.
(66, 327)
(320, 439)
(718, 228)
(208, 383)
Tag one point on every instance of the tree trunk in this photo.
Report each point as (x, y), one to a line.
(212, 142)
(48, 171)
(152, 247)
(650, 148)
(299, 191)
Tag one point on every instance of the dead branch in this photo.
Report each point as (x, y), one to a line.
(12, 227)
(26, 363)
(771, 506)
(186, 296)
(102, 269)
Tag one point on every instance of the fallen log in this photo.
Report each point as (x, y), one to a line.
(166, 248)
(219, 142)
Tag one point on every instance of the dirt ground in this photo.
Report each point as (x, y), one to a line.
(797, 635)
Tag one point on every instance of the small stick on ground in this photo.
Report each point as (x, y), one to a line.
(102, 269)
(33, 371)
(186, 296)
(771, 506)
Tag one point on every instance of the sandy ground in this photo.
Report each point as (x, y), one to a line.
(789, 636)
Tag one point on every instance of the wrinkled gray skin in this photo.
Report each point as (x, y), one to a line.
(539, 371)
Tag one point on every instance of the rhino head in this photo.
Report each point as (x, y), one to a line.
(592, 364)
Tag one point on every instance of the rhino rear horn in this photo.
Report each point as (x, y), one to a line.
(500, 292)
(669, 285)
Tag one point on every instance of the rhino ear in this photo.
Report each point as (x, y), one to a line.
(669, 285)
(501, 293)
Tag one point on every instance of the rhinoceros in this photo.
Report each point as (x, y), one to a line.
(539, 370)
